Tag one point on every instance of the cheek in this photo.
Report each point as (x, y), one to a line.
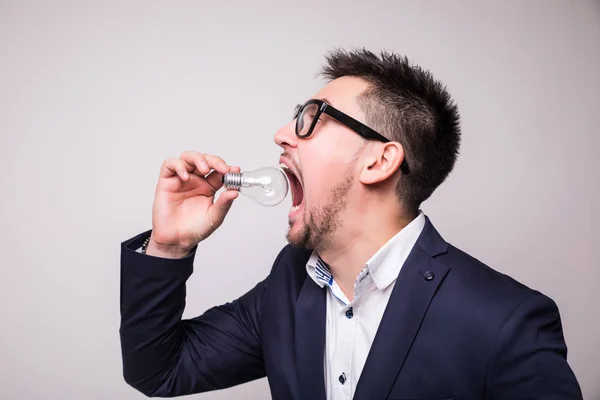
(319, 181)
(324, 163)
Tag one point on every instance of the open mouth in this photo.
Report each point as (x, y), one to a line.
(295, 187)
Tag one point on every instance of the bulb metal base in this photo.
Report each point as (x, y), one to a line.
(232, 180)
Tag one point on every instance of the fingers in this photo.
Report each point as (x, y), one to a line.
(214, 178)
(204, 163)
(220, 208)
(174, 167)
(197, 163)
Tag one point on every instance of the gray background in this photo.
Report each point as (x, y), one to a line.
(95, 95)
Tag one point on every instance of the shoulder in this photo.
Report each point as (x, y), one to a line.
(481, 281)
(290, 263)
(487, 293)
(474, 273)
(286, 279)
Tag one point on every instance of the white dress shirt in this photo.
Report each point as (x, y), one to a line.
(351, 325)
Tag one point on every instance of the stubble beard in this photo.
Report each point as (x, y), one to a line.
(320, 224)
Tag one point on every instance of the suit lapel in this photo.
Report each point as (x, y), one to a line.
(414, 289)
(310, 340)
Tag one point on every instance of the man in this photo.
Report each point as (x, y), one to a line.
(367, 301)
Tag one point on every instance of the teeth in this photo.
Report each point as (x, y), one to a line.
(283, 166)
(295, 208)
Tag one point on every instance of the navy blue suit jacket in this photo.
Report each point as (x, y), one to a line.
(453, 329)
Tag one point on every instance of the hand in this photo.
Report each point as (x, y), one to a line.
(184, 211)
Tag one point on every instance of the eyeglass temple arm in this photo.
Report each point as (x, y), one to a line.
(361, 129)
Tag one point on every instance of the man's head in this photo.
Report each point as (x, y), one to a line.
(338, 165)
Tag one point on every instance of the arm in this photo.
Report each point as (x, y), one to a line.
(166, 356)
(530, 357)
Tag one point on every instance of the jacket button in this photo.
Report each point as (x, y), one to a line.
(349, 313)
(428, 275)
(342, 378)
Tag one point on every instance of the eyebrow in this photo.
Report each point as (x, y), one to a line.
(326, 101)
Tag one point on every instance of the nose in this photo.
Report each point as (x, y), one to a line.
(286, 135)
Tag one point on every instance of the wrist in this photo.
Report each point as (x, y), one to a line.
(166, 251)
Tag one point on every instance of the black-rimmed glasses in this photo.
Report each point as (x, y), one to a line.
(307, 115)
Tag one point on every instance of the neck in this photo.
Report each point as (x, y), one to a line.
(365, 230)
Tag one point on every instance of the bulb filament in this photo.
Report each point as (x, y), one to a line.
(236, 180)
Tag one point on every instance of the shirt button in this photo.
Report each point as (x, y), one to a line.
(342, 378)
(349, 313)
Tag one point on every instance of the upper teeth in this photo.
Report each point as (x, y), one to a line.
(283, 166)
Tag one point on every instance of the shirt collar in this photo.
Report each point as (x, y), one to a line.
(383, 267)
(318, 270)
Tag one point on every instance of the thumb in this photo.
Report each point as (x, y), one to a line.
(221, 207)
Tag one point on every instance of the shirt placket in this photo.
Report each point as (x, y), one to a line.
(343, 359)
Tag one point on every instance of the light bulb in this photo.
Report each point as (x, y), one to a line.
(268, 186)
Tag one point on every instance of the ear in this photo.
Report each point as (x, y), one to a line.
(381, 162)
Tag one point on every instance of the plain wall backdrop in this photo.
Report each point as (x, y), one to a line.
(94, 95)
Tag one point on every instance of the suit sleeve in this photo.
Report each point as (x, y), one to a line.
(530, 357)
(165, 356)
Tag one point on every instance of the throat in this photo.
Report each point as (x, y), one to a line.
(297, 192)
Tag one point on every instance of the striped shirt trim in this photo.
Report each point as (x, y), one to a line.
(323, 273)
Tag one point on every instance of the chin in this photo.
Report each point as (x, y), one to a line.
(298, 235)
